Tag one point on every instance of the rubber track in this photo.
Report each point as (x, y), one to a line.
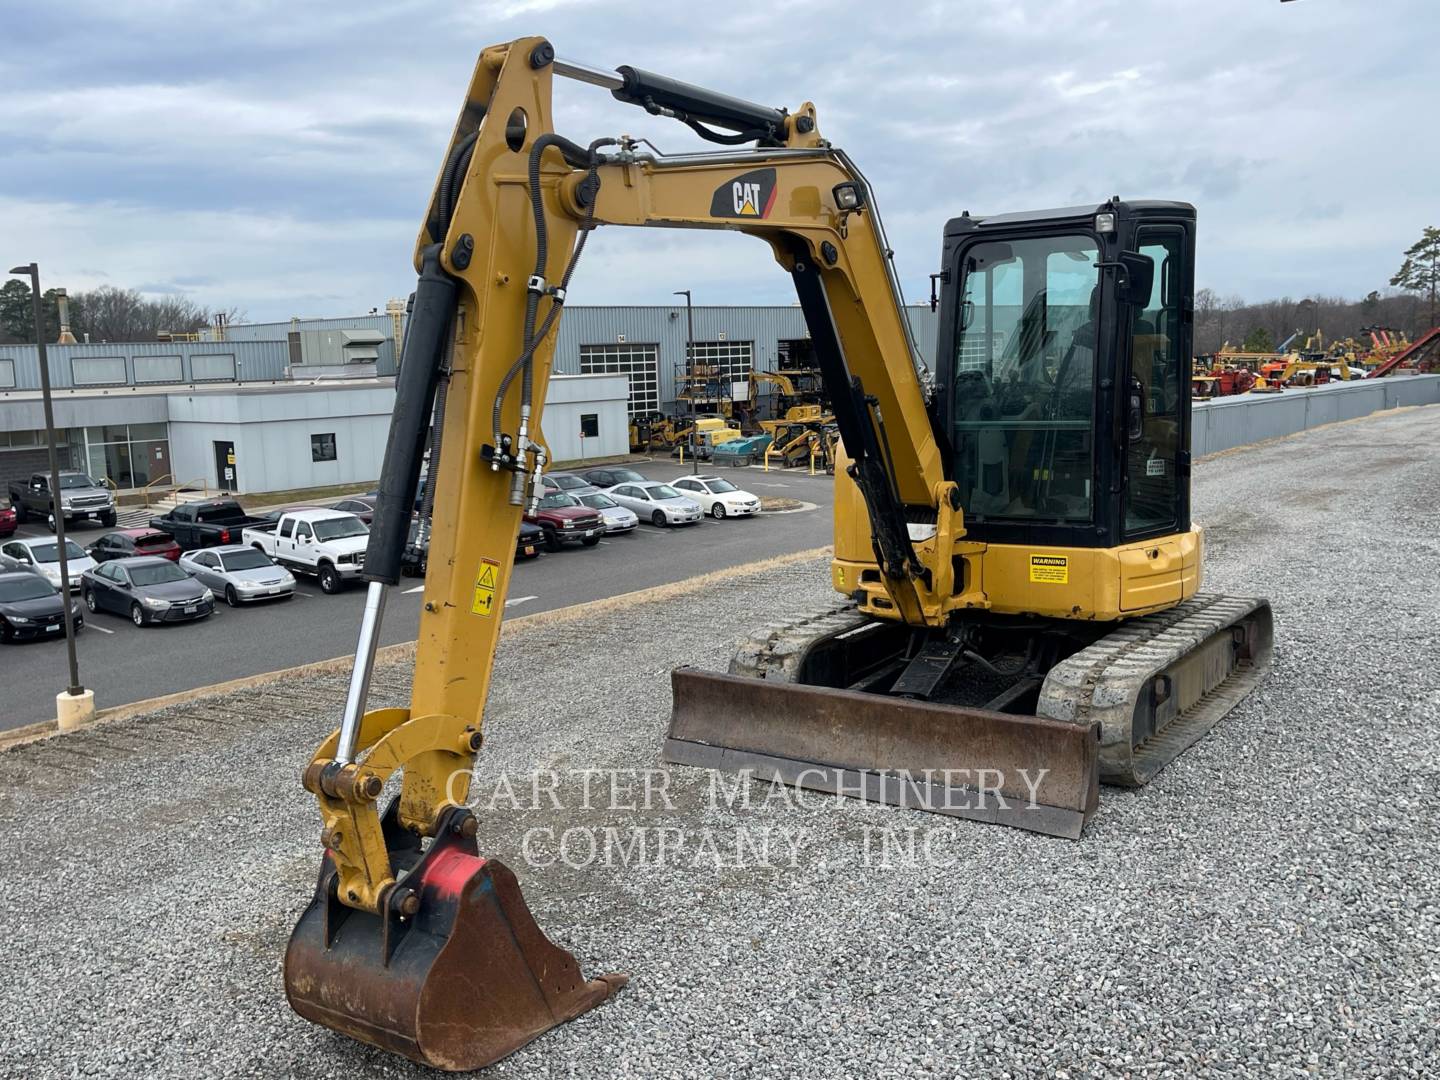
(1103, 683)
(775, 650)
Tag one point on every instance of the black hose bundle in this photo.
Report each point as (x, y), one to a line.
(588, 159)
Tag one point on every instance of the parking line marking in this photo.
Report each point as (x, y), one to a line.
(417, 588)
(519, 600)
(92, 626)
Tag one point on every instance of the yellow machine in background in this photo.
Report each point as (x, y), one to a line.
(1017, 573)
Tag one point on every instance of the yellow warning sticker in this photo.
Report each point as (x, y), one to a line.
(486, 582)
(1050, 569)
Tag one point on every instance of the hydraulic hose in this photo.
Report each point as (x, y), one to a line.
(581, 158)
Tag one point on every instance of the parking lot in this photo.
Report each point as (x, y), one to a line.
(123, 664)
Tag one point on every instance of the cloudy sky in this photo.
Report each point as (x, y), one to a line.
(277, 157)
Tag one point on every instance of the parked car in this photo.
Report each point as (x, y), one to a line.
(617, 518)
(659, 504)
(8, 521)
(30, 607)
(529, 541)
(362, 506)
(239, 573)
(416, 557)
(81, 498)
(608, 476)
(566, 482)
(717, 496)
(205, 523)
(147, 588)
(565, 521)
(327, 544)
(127, 543)
(42, 556)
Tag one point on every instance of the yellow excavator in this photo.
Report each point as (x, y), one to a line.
(1019, 614)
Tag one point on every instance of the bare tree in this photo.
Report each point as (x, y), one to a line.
(111, 314)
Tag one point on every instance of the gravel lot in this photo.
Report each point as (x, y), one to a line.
(1267, 907)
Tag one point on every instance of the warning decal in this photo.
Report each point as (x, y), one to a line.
(1050, 569)
(486, 582)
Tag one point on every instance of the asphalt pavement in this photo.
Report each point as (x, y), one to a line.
(124, 664)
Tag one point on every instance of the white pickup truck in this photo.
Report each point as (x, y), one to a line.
(326, 544)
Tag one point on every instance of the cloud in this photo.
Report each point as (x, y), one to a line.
(278, 156)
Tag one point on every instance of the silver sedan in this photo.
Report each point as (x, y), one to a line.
(239, 573)
(659, 504)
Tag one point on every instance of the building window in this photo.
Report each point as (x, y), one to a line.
(212, 367)
(7, 374)
(129, 455)
(21, 440)
(159, 369)
(640, 362)
(719, 373)
(322, 447)
(589, 425)
(98, 370)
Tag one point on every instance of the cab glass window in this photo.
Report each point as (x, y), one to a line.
(1024, 379)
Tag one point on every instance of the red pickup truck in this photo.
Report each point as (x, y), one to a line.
(567, 521)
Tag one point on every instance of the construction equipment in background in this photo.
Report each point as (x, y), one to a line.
(1021, 612)
(704, 390)
(1422, 355)
(1222, 382)
(702, 435)
(651, 431)
(793, 445)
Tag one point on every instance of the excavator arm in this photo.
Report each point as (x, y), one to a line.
(508, 220)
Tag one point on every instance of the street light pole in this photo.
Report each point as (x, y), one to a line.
(690, 374)
(57, 511)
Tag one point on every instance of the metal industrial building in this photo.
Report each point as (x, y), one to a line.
(307, 402)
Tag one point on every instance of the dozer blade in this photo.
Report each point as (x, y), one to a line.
(1024, 771)
(461, 983)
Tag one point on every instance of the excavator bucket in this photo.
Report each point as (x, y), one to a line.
(463, 981)
(1023, 771)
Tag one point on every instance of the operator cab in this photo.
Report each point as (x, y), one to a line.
(1063, 372)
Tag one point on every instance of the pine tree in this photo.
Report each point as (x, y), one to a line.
(1420, 273)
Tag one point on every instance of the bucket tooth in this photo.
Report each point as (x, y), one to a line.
(466, 980)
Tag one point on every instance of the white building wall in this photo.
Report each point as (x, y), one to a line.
(272, 435)
(572, 396)
(271, 430)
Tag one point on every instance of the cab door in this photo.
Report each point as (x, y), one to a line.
(1157, 458)
(1155, 504)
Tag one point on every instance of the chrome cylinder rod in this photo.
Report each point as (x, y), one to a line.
(573, 69)
(360, 673)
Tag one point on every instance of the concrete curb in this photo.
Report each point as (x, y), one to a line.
(31, 733)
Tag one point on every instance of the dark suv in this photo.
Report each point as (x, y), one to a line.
(611, 475)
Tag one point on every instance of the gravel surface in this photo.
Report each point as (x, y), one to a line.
(1266, 907)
